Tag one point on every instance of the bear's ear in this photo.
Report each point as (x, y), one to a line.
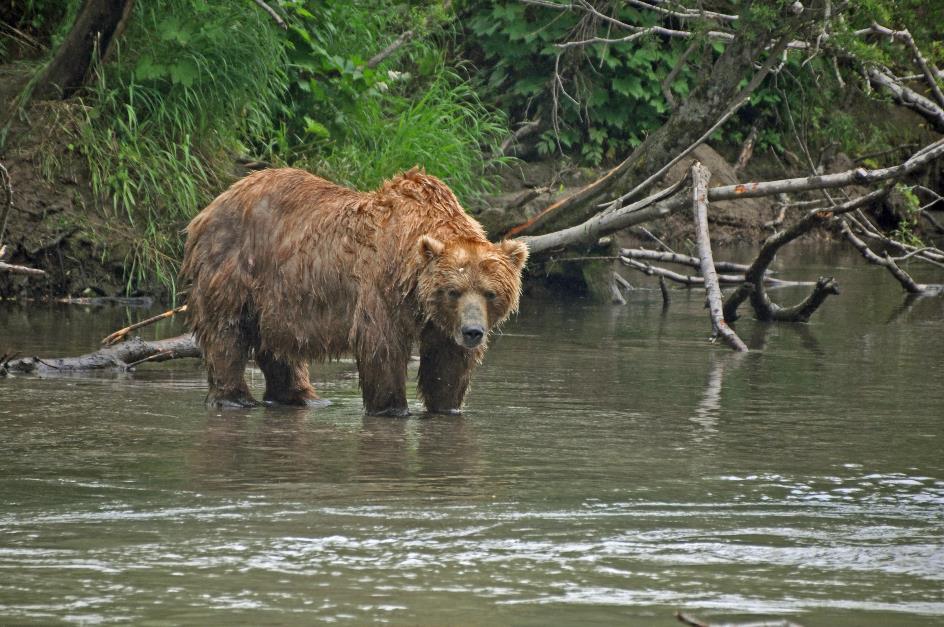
(430, 247)
(518, 251)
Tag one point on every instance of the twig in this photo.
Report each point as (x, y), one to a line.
(900, 275)
(700, 176)
(275, 16)
(527, 128)
(14, 269)
(670, 78)
(666, 299)
(121, 333)
(747, 149)
(395, 45)
(8, 204)
(926, 69)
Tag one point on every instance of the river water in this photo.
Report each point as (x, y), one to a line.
(612, 468)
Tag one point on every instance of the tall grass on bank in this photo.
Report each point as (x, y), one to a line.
(190, 84)
(444, 128)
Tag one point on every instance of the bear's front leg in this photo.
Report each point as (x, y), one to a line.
(445, 371)
(383, 381)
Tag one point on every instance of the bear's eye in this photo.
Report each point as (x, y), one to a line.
(489, 295)
(454, 294)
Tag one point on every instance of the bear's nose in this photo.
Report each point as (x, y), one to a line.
(472, 335)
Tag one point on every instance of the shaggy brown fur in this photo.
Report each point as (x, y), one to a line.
(293, 268)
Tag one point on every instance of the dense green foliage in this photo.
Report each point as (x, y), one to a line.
(609, 95)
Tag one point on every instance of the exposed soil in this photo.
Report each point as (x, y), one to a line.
(55, 225)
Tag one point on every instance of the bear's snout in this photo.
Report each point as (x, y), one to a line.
(472, 335)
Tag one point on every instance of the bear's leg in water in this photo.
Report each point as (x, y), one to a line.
(287, 382)
(226, 361)
(383, 380)
(445, 371)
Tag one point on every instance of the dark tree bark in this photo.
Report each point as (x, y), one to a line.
(99, 23)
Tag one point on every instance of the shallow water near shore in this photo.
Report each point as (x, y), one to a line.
(612, 467)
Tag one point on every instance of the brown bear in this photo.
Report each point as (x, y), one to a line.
(292, 268)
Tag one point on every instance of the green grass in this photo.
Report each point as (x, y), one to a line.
(445, 129)
(167, 116)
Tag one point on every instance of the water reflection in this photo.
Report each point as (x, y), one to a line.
(285, 445)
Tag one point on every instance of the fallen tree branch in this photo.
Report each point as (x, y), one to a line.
(928, 71)
(658, 205)
(907, 97)
(119, 357)
(395, 45)
(678, 258)
(691, 280)
(753, 287)
(121, 333)
(15, 269)
(668, 201)
(275, 16)
(885, 261)
(700, 176)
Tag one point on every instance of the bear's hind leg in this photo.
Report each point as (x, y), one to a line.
(226, 364)
(287, 382)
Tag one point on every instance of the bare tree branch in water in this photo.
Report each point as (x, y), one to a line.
(700, 176)
(119, 357)
(120, 334)
(692, 621)
(669, 200)
(885, 261)
(754, 288)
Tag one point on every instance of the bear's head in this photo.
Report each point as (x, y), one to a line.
(469, 287)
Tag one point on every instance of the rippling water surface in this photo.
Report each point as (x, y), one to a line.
(612, 468)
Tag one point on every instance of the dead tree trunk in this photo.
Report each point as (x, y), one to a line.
(98, 24)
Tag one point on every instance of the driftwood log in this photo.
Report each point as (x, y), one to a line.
(121, 357)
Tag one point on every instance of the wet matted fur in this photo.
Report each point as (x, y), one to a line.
(292, 268)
